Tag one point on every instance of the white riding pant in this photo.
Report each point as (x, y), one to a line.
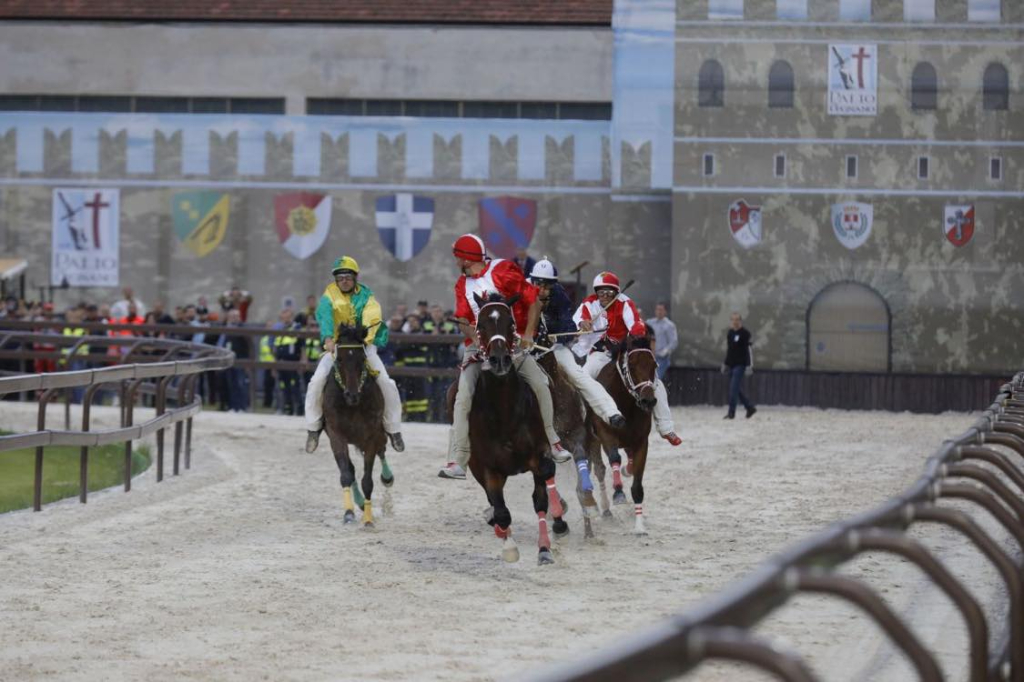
(593, 392)
(315, 392)
(531, 372)
(662, 414)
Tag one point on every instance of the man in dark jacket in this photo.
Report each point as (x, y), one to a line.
(739, 361)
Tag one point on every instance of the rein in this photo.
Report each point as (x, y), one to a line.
(362, 375)
(632, 386)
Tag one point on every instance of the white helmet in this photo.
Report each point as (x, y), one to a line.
(544, 269)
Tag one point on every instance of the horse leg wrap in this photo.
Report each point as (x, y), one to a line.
(346, 495)
(368, 513)
(617, 476)
(385, 470)
(554, 500)
(358, 494)
(638, 509)
(543, 540)
(502, 533)
(586, 484)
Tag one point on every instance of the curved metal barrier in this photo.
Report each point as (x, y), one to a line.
(719, 627)
(135, 366)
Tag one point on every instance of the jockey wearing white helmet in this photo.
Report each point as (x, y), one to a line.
(609, 313)
(556, 318)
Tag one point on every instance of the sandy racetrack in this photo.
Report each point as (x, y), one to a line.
(242, 569)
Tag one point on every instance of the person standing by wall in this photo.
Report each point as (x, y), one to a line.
(667, 338)
(739, 361)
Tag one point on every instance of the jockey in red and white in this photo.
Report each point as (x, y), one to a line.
(483, 276)
(608, 313)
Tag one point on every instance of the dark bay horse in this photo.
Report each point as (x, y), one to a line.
(354, 415)
(629, 380)
(506, 432)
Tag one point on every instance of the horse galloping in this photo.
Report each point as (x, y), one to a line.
(354, 415)
(629, 380)
(506, 432)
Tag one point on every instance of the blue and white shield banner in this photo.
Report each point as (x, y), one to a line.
(404, 222)
(852, 80)
(86, 237)
(852, 223)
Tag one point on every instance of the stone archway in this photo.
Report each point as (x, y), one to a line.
(848, 330)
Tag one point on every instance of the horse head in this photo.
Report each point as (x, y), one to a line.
(638, 369)
(350, 361)
(496, 331)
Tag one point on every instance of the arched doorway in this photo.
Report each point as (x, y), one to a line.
(848, 330)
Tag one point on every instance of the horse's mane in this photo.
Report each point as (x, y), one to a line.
(347, 333)
(632, 343)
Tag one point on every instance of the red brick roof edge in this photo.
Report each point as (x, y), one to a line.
(525, 12)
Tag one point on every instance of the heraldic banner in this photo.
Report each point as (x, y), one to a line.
(303, 220)
(200, 220)
(852, 80)
(86, 237)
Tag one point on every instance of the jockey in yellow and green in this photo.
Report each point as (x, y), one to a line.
(346, 301)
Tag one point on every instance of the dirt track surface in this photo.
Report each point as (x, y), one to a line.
(241, 568)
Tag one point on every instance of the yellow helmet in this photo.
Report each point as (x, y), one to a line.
(345, 264)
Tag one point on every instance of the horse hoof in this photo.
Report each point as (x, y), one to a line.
(388, 482)
(350, 517)
(368, 525)
(619, 497)
(560, 528)
(607, 513)
(510, 554)
(588, 530)
(565, 505)
(544, 557)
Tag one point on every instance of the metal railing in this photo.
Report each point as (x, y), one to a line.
(251, 365)
(719, 628)
(134, 366)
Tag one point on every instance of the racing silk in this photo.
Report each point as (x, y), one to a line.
(502, 277)
(616, 322)
(557, 312)
(336, 308)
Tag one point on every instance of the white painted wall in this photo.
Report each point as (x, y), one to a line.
(307, 60)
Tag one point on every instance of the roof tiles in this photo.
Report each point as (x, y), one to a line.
(543, 12)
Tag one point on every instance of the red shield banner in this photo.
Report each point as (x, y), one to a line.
(507, 224)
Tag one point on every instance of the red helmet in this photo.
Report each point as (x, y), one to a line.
(606, 279)
(469, 247)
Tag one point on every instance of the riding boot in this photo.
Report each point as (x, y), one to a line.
(396, 441)
(312, 440)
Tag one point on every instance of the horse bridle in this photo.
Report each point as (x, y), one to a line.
(362, 375)
(486, 348)
(632, 386)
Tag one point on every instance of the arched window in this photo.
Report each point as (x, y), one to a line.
(996, 88)
(924, 87)
(848, 327)
(711, 84)
(780, 85)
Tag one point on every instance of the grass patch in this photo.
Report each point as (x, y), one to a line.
(60, 471)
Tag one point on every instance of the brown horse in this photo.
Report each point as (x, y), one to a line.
(354, 415)
(506, 432)
(629, 380)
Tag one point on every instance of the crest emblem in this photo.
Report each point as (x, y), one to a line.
(852, 223)
(958, 224)
(303, 221)
(404, 222)
(745, 223)
(507, 224)
(200, 220)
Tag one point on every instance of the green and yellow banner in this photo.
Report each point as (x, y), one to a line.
(200, 220)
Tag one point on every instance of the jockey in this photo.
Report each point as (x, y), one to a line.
(483, 276)
(608, 313)
(346, 301)
(556, 318)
